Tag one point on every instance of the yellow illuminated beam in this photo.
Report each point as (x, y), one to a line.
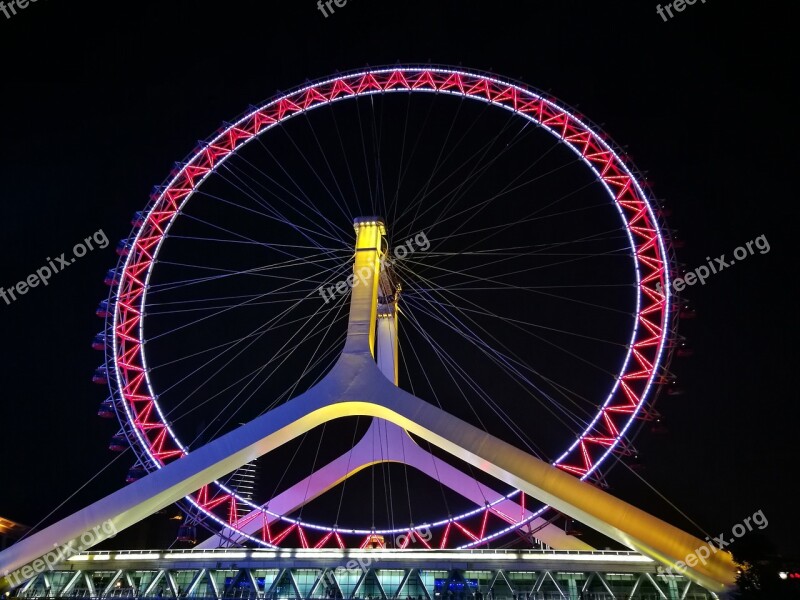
(365, 279)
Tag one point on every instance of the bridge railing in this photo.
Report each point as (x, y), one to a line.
(240, 553)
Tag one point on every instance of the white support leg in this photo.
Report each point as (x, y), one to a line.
(385, 442)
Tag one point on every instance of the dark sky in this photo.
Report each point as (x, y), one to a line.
(100, 99)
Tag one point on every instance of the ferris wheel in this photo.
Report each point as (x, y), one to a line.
(523, 289)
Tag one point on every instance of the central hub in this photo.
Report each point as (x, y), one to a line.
(369, 231)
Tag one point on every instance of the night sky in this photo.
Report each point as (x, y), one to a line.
(100, 100)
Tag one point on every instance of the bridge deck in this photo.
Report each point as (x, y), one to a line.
(377, 574)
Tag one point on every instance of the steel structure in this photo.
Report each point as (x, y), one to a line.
(356, 386)
(147, 427)
(395, 446)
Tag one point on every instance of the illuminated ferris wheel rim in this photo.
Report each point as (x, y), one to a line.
(646, 352)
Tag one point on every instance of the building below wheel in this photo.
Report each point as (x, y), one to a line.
(373, 574)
